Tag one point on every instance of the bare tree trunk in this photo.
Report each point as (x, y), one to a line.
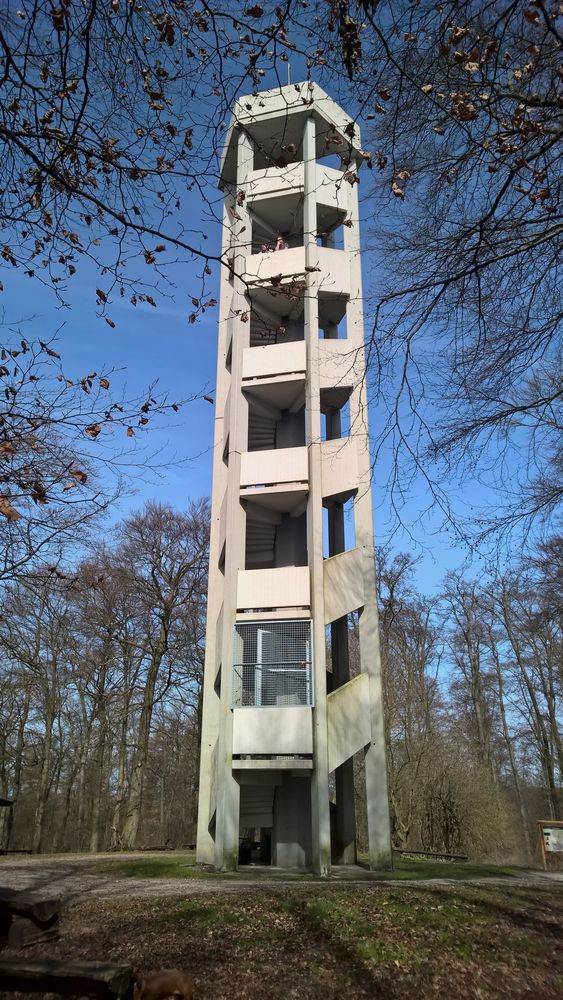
(4, 785)
(115, 838)
(18, 765)
(81, 795)
(469, 611)
(538, 724)
(93, 845)
(62, 842)
(510, 748)
(97, 787)
(116, 842)
(135, 799)
(43, 790)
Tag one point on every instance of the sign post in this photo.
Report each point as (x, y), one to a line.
(550, 841)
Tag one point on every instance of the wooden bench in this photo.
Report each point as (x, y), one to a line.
(26, 920)
(92, 979)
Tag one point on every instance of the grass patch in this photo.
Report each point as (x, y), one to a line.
(168, 866)
(407, 868)
(400, 928)
(182, 866)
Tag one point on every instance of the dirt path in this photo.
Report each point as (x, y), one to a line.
(71, 877)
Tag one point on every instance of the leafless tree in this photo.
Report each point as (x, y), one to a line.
(61, 462)
(100, 668)
(535, 646)
(164, 555)
(112, 113)
(410, 659)
(34, 634)
(466, 103)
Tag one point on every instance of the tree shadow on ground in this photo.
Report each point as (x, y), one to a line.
(527, 910)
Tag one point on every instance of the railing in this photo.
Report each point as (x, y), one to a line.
(275, 685)
(272, 664)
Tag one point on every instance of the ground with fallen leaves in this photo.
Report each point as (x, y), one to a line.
(376, 941)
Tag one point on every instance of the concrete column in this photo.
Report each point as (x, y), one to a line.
(344, 848)
(211, 704)
(228, 789)
(320, 806)
(379, 830)
(376, 773)
(339, 628)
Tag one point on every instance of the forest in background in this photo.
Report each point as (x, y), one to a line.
(101, 669)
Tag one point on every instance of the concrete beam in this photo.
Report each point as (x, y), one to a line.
(349, 728)
(343, 584)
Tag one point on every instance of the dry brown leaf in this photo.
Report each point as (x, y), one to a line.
(457, 33)
(92, 431)
(48, 350)
(58, 16)
(38, 492)
(7, 510)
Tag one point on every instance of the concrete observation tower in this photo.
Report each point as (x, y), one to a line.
(292, 557)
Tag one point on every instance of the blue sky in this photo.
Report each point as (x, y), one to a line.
(159, 343)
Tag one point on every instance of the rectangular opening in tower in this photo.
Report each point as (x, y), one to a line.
(272, 664)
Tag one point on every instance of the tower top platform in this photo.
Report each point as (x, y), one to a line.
(274, 119)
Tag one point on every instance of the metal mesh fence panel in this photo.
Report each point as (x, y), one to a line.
(272, 663)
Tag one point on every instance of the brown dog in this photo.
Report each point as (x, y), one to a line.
(166, 983)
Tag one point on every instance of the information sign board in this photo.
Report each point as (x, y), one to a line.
(550, 841)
